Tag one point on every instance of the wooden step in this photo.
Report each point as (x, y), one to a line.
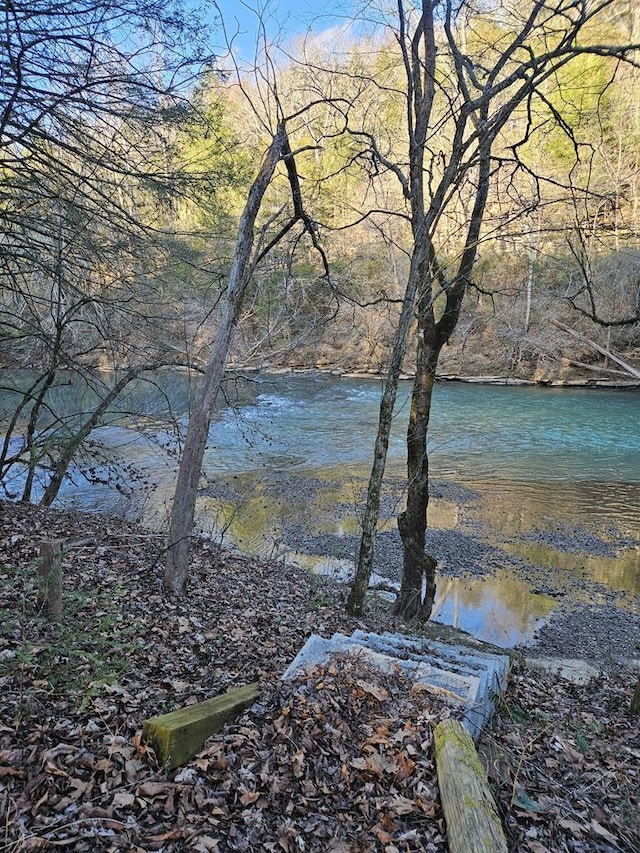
(177, 736)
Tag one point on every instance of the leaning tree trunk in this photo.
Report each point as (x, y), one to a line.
(360, 584)
(184, 504)
(72, 446)
(418, 588)
(183, 510)
(364, 567)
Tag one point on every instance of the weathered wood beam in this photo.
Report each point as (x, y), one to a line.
(49, 568)
(473, 825)
(177, 736)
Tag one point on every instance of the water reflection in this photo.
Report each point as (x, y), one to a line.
(499, 609)
(620, 573)
(295, 456)
(515, 507)
(293, 520)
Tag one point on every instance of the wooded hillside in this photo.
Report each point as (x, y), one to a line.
(121, 203)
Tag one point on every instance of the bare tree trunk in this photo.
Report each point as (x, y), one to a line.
(418, 588)
(31, 431)
(183, 510)
(533, 257)
(420, 82)
(364, 567)
(71, 447)
(417, 591)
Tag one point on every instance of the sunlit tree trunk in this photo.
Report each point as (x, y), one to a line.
(183, 510)
(364, 565)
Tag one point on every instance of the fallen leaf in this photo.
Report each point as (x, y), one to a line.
(123, 799)
(249, 797)
(153, 789)
(536, 846)
(204, 844)
(373, 690)
(572, 826)
(602, 832)
(402, 805)
(382, 835)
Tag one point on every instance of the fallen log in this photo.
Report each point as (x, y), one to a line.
(628, 368)
(177, 736)
(473, 825)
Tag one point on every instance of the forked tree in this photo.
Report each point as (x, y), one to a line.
(470, 70)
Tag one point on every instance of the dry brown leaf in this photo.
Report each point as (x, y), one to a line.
(153, 789)
(600, 830)
(402, 805)
(204, 844)
(572, 826)
(11, 771)
(405, 767)
(171, 835)
(373, 690)
(123, 799)
(381, 834)
(535, 846)
(249, 797)
(80, 788)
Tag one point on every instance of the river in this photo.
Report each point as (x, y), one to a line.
(539, 467)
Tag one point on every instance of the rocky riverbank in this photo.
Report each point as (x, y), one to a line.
(571, 378)
(594, 622)
(482, 349)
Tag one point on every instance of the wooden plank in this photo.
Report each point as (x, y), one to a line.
(473, 825)
(177, 736)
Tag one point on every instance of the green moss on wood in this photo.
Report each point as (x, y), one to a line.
(177, 736)
(473, 825)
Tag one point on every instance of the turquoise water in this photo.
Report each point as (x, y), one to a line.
(538, 458)
(477, 431)
(298, 423)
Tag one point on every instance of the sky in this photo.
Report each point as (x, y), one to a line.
(287, 19)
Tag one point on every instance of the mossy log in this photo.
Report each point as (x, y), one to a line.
(177, 736)
(473, 825)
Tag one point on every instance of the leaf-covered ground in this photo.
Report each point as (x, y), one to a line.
(340, 760)
(565, 763)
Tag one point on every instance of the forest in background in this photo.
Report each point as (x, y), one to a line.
(118, 229)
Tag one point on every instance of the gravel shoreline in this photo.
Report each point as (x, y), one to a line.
(593, 622)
